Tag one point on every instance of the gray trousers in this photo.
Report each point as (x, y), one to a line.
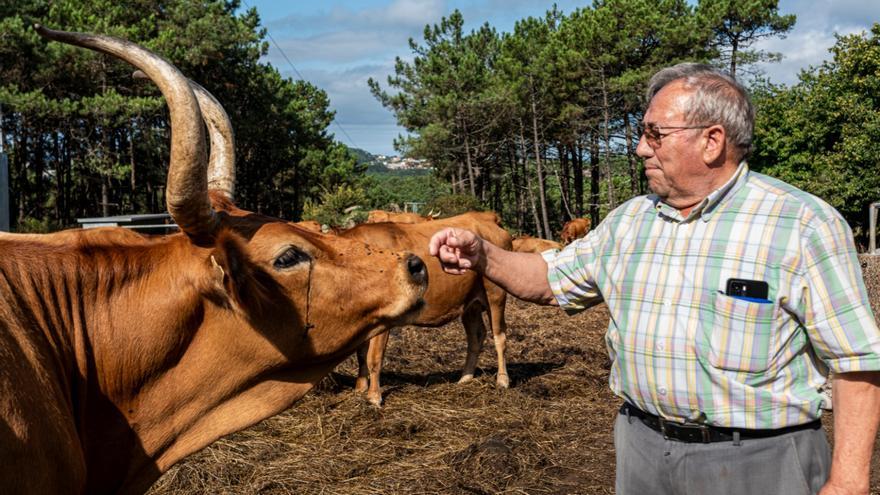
(796, 463)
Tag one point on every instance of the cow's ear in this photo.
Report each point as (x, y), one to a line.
(247, 286)
(219, 272)
(227, 262)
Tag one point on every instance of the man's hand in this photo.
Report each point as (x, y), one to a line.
(856, 398)
(831, 489)
(458, 250)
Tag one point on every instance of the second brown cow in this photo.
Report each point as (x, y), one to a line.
(574, 229)
(447, 296)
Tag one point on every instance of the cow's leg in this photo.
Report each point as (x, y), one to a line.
(375, 355)
(363, 377)
(472, 320)
(497, 299)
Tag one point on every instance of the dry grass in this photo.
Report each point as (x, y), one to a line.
(550, 433)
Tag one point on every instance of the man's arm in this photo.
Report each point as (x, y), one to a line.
(856, 406)
(522, 274)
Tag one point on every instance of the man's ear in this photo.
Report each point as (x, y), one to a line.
(714, 144)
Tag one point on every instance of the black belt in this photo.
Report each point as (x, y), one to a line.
(697, 433)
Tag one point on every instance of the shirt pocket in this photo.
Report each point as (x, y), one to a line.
(741, 334)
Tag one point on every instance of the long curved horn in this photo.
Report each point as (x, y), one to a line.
(221, 162)
(187, 191)
(221, 159)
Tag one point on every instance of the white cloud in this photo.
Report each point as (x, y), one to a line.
(808, 44)
(340, 46)
(397, 15)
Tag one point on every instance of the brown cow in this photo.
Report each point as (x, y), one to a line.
(447, 297)
(122, 353)
(378, 216)
(529, 244)
(574, 229)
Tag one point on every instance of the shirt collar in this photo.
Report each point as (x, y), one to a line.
(711, 202)
(709, 205)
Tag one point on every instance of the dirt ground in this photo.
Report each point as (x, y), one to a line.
(550, 433)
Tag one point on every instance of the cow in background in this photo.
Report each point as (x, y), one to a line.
(448, 296)
(529, 244)
(574, 229)
(124, 353)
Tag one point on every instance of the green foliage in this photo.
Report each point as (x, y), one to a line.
(31, 225)
(342, 207)
(389, 190)
(823, 134)
(737, 24)
(86, 139)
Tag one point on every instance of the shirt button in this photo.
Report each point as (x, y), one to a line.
(661, 391)
(660, 346)
(667, 304)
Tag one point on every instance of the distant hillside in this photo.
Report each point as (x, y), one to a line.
(377, 165)
(363, 156)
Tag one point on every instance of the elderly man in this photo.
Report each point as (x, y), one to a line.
(732, 295)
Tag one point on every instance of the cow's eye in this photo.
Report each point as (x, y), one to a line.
(289, 258)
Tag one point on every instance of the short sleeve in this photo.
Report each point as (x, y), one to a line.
(838, 316)
(571, 273)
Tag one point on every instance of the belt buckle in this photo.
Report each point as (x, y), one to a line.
(703, 429)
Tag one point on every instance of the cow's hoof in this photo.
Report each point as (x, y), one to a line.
(375, 400)
(361, 385)
(465, 378)
(502, 381)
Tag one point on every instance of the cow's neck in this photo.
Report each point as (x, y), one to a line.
(171, 369)
(152, 365)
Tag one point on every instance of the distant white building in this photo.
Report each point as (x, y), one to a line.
(398, 163)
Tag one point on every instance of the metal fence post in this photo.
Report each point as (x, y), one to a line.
(872, 227)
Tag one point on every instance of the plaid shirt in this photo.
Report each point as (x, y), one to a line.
(683, 349)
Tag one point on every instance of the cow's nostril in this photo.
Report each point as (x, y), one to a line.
(416, 268)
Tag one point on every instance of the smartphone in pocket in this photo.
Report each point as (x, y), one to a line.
(748, 290)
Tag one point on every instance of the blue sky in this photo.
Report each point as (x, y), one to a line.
(338, 44)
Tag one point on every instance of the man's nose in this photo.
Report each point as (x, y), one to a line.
(643, 149)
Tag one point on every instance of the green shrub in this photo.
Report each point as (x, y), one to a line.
(342, 207)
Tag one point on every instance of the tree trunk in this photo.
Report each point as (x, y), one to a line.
(21, 173)
(105, 198)
(631, 156)
(734, 47)
(516, 180)
(594, 178)
(577, 159)
(470, 167)
(564, 182)
(540, 170)
(528, 176)
(59, 179)
(606, 116)
(133, 167)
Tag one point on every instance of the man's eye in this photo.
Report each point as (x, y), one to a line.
(289, 258)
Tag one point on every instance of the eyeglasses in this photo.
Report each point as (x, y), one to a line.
(655, 133)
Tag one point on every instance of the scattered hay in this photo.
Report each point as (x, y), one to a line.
(550, 433)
